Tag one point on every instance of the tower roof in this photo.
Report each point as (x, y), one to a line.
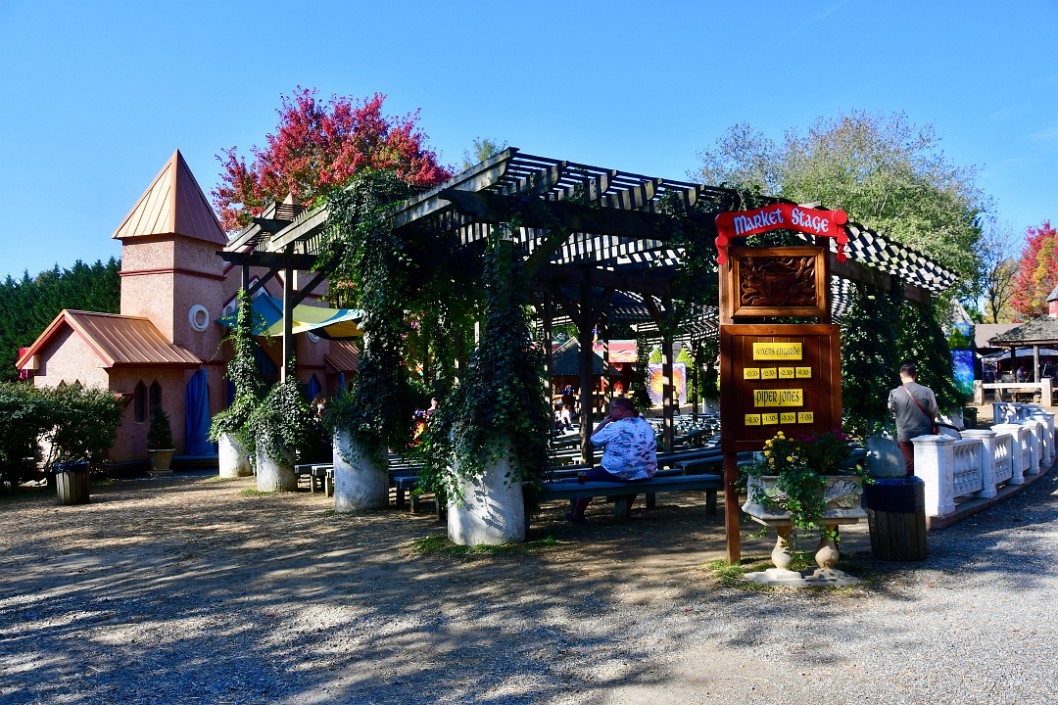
(173, 205)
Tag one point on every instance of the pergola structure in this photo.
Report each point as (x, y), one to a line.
(599, 244)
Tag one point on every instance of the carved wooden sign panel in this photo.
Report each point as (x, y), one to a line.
(777, 378)
(778, 281)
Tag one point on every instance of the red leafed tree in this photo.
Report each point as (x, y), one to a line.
(317, 147)
(1037, 271)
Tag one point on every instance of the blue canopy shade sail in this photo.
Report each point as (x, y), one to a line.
(331, 323)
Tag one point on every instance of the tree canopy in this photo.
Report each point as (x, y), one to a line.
(1037, 271)
(316, 149)
(884, 171)
(29, 304)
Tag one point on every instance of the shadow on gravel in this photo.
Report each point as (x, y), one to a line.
(181, 590)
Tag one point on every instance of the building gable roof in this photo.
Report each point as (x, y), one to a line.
(1038, 331)
(565, 361)
(173, 205)
(119, 341)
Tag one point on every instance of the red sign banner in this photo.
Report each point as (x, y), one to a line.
(784, 216)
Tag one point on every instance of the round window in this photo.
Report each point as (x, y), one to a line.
(198, 316)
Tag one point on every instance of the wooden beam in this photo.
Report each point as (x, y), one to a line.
(271, 260)
(496, 208)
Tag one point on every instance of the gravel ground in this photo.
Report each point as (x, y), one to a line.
(182, 589)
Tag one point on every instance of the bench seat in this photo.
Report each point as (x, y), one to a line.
(565, 489)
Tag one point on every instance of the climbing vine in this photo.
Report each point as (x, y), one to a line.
(921, 341)
(869, 359)
(242, 373)
(501, 396)
(371, 267)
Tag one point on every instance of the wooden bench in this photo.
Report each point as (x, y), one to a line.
(565, 489)
(320, 475)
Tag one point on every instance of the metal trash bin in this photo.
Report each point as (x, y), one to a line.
(896, 515)
(71, 482)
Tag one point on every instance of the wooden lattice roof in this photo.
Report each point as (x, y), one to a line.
(586, 225)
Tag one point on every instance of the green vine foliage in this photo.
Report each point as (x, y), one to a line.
(282, 422)
(869, 360)
(243, 374)
(501, 395)
(710, 384)
(372, 265)
(921, 341)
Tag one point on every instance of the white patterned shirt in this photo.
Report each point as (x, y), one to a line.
(630, 448)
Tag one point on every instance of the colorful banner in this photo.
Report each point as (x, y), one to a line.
(657, 386)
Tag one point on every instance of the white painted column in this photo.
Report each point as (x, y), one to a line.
(935, 464)
(1035, 442)
(988, 460)
(1017, 458)
(1047, 418)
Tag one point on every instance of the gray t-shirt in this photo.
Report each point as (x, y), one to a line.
(910, 420)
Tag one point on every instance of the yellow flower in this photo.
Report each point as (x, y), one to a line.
(789, 458)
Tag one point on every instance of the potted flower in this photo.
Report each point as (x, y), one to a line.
(277, 428)
(808, 482)
(160, 441)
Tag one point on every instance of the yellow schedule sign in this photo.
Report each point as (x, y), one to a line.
(768, 373)
(786, 373)
(805, 417)
(751, 373)
(753, 419)
(769, 419)
(803, 372)
(778, 397)
(777, 351)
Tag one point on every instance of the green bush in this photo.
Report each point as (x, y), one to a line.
(282, 421)
(160, 433)
(63, 424)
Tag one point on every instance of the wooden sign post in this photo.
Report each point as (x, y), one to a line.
(774, 376)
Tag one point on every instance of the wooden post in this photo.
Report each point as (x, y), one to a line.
(288, 322)
(731, 509)
(584, 338)
(669, 431)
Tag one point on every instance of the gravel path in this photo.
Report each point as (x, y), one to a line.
(180, 589)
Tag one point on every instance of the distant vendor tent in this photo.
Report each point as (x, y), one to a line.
(1021, 352)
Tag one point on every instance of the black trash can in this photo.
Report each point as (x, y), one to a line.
(71, 481)
(896, 514)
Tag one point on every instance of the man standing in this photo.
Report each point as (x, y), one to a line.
(915, 408)
(629, 455)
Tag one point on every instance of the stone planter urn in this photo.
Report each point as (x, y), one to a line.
(842, 496)
(161, 459)
(487, 510)
(232, 459)
(358, 481)
(275, 471)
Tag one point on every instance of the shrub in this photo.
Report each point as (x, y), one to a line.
(160, 433)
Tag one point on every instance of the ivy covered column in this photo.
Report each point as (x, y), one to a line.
(495, 429)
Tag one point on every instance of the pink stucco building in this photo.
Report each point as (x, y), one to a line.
(174, 287)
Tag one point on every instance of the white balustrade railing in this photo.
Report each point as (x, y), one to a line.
(983, 460)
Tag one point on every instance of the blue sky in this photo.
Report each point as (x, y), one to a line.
(96, 96)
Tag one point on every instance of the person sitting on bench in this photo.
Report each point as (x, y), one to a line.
(629, 452)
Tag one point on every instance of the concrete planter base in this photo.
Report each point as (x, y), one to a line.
(491, 511)
(232, 459)
(275, 473)
(358, 482)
